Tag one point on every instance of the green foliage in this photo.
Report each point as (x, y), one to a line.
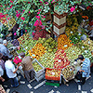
(29, 8)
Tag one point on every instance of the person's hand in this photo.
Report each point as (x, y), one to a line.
(80, 70)
(3, 80)
(18, 47)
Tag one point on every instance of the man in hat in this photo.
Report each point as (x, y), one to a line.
(27, 66)
(85, 68)
(11, 71)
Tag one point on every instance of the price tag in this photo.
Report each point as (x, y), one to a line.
(53, 73)
(83, 47)
(65, 45)
(86, 51)
(33, 55)
(26, 47)
(88, 42)
(75, 38)
(73, 51)
(71, 32)
(59, 60)
(79, 34)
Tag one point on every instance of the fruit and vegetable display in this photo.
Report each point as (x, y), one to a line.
(52, 74)
(28, 44)
(50, 44)
(60, 60)
(88, 43)
(37, 51)
(67, 72)
(82, 46)
(47, 60)
(87, 54)
(14, 53)
(64, 42)
(36, 66)
(72, 53)
(23, 38)
(15, 42)
(21, 50)
(9, 45)
(76, 38)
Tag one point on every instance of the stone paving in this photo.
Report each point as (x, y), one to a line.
(41, 87)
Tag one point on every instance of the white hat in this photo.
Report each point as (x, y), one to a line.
(4, 41)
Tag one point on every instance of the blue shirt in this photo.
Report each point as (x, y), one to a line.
(86, 67)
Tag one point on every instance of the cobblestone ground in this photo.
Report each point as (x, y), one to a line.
(41, 87)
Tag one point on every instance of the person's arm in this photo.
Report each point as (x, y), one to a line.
(16, 69)
(2, 79)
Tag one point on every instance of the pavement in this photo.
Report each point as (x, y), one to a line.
(41, 87)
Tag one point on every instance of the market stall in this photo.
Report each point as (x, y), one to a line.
(52, 56)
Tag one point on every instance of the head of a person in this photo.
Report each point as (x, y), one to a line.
(1, 55)
(81, 57)
(5, 42)
(22, 54)
(10, 57)
(1, 41)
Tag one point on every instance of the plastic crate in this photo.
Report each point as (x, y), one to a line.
(41, 73)
(40, 77)
(52, 72)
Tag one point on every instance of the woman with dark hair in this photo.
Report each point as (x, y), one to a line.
(85, 68)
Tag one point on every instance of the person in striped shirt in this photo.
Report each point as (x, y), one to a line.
(85, 68)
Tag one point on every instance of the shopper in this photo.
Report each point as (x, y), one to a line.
(27, 66)
(4, 50)
(85, 68)
(1, 74)
(11, 72)
(2, 63)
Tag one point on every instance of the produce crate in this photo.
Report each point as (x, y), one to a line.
(41, 73)
(67, 76)
(53, 74)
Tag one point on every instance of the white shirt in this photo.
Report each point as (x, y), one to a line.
(10, 68)
(1, 71)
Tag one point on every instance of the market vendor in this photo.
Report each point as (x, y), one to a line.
(27, 66)
(4, 50)
(85, 68)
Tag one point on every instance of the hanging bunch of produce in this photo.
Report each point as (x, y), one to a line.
(72, 25)
(60, 60)
(64, 42)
